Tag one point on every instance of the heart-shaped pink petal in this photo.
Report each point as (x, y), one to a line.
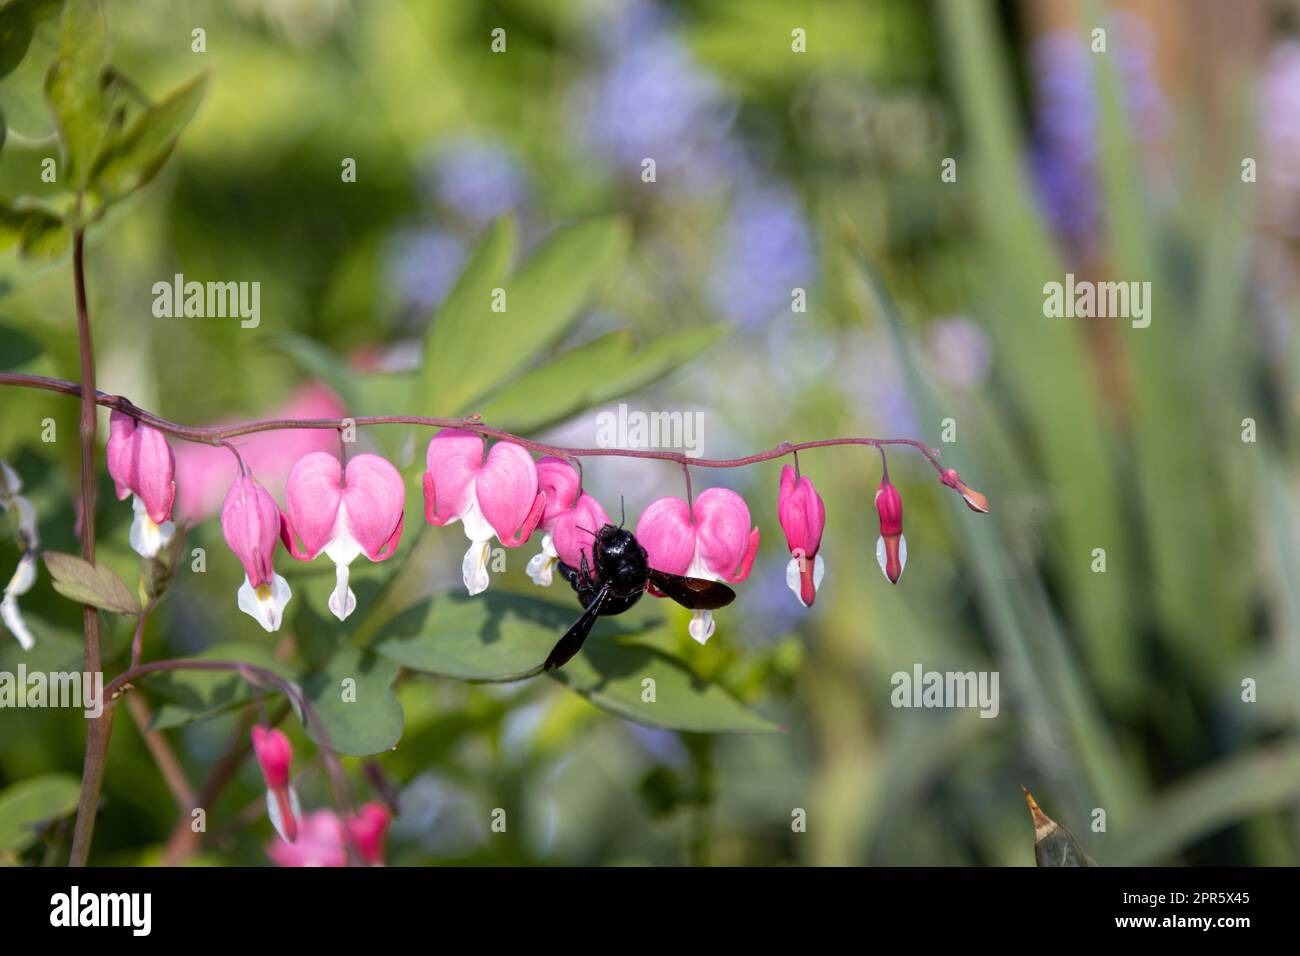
(560, 482)
(727, 543)
(374, 499)
(574, 531)
(312, 495)
(666, 532)
(453, 459)
(506, 489)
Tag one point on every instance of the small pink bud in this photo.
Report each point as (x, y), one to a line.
(891, 546)
(803, 518)
(274, 754)
(141, 464)
(974, 500)
(369, 829)
(250, 523)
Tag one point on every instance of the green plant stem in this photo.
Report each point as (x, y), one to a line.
(98, 729)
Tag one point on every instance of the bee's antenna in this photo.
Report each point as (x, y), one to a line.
(622, 511)
(580, 528)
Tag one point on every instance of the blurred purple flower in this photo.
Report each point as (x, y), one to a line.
(1279, 119)
(477, 180)
(766, 252)
(422, 266)
(651, 99)
(1064, 152)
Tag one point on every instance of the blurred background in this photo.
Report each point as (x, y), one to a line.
(1173, 157)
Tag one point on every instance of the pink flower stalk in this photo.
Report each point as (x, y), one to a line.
(803, 517)
(569, 522)
(714, 541)
(496, 495)
(320, 843)
(369, 830)
(343, 514)
(250, 523)
(275, 755)
(974, 500)
(891, 546)
(204, 472)
(142, 465)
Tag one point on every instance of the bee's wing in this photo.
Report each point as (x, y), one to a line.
(694, 593)
(572, 640)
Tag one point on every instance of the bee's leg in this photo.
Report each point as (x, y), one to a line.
(570, 574)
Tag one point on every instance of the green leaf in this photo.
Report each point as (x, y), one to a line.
(28, 41)
(16, 348)
(27, 805)
(461, 324)
(614, 676)
(1054, 845)
(603, 369)
(190, 696)
(354, 699)
(38, 233)
(75, 89)
(131, 158)
(495, 636)
(92, 584)
(471, 350)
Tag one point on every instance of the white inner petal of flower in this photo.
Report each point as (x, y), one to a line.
(701, 627)
(13, 620)
(273, 811)
(265, 604)
(342, 549)
(474, 568)
(541, 565)
(147, 538)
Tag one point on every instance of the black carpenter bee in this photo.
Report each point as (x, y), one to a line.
(620, 577)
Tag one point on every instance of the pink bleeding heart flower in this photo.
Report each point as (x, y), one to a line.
(343, 514)
(369, 830)
(141, 464)
(891, 546)
(496, 495)
(274, 754)
(803, 517)
(714, 540)
(569, 522)
(250, 523)
(320, 842)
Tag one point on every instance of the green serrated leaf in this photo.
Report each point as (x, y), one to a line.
(495, 636)
(603, 369)
(189, 696)
(648, 686)
(29, 804)
(92, 584)
(75, 89)
(132, 157)
(353, 697)
(1054, 845)
(448, 379)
